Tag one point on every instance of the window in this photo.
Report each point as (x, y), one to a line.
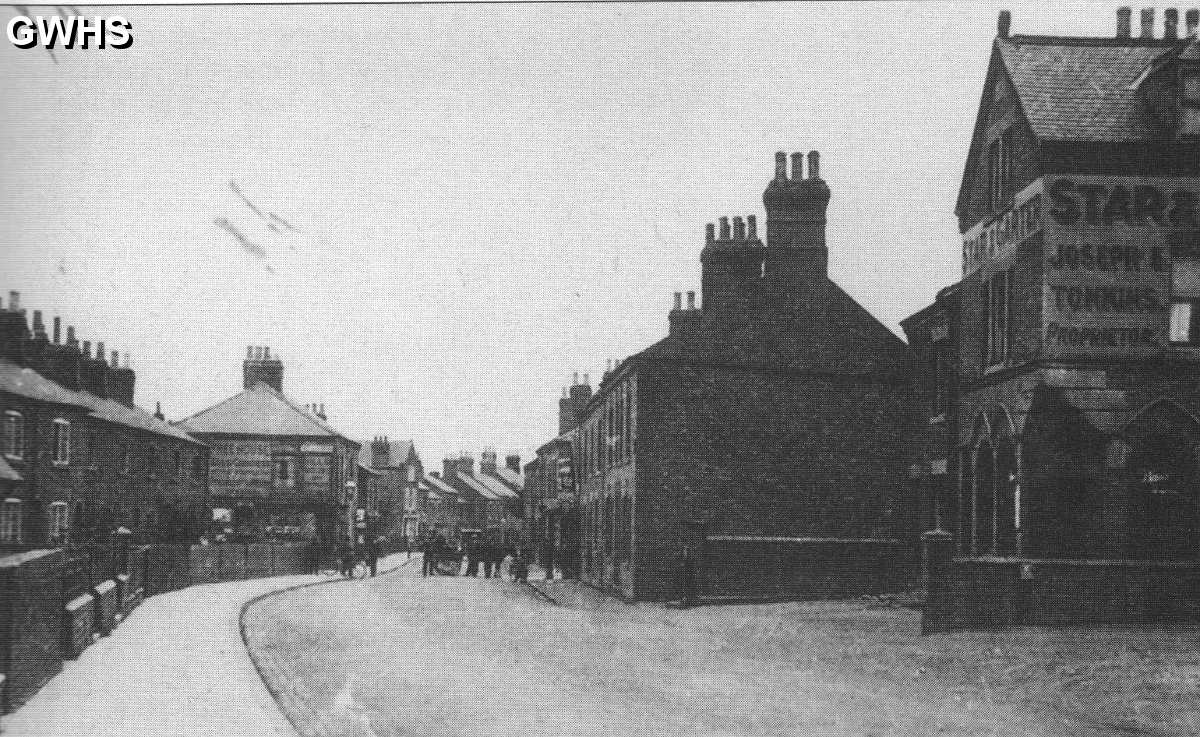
(997, 294)
(285, 471)
(197, 466)
(412, 474)
(56, 520)
(1000, 184)
(62, 442)
(10, 521)
(1185, 301)
(14, 434)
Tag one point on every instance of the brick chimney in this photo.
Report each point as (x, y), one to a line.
(65, 360)
(463, 464)
(487, 462)
(94, 373)
(570, 407)
(1124, 22)
(261, 367)
(121, 380)
(513, 462)
(680, 319)
(14, 331)
(796, 221)
(731, 264)
(381, 452)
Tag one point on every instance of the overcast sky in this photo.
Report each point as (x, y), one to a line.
(470, 202)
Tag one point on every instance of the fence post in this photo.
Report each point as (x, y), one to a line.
(937, 550)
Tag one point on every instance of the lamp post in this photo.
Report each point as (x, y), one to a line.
(351, 500)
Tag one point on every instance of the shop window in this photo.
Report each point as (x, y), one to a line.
(10, 521)
(997, 295)
(56, 520)
(14, 434)
(1185, 301)
(1000, 171)
(62, 442)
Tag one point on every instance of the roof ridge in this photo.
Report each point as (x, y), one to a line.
(1048, 40)
(320, 424)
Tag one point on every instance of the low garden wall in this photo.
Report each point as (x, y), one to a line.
(751, 568)
(983, 593)
(30, 623)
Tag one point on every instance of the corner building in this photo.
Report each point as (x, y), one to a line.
(774, 411)
(1063, 370)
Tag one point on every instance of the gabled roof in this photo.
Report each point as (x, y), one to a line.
(473, 485)
(440, 486)
(820, 330)
(1077, 89)
(400, 452)
(26, 382)
(259, 410)
(498, 487)
(514, 480)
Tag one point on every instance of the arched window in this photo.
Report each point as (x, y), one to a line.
(10, 520)
(14, 434)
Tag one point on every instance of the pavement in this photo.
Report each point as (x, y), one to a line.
(176, 666)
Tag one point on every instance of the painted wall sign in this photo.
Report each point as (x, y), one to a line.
(990, 240)
(1108, 262)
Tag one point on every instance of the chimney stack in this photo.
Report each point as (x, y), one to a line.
(1191, 22)
(1003, 24)
(513, 463)
(87, 349)
(710, 233)
(752, 226)
(116, 360)
(797, 166)
(158, 413)
(724, 228)
(796, 250)
(1171, 24)
(570, 407)
(679, 300)
(1147, 22)
(57, 329)
(14, 301)
(780, 167)
(814, 164)
(261, 367)
(71, 341)
(739, 229)
(1124, 22)
(691, 303)
(39, 329)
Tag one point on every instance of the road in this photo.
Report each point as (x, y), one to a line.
(402, 655)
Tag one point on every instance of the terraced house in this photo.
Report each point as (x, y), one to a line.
(1063, 396)
(79, 458)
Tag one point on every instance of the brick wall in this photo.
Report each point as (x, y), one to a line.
(981, 594)
(749, 568)
(234, 562)
(30, 623)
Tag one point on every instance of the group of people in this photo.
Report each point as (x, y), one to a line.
(349, 556)
(489, 556)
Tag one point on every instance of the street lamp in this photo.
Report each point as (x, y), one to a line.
(348, 504)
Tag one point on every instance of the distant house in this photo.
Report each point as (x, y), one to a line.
(277, 470)
(400, 505)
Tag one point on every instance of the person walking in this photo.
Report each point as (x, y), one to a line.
(486, 556)
(428, 556)
(472, 550)
(345, 558)
(372, 555)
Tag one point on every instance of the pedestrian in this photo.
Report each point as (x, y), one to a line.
(314, 557)
(485, 556)
(548, 558)
(428, 556)
(372, 554)
(345, 558)
(519, 568)
(472, 550)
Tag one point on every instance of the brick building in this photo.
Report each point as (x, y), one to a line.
(79, 458)
(486, 505)
(773, 411)
(400, 504)
(277, 470)
(1063, 392)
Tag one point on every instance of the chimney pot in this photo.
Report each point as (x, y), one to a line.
(71, 335)
(709, 232)
(608, 366)
(125, 360)
(87, 349)
(724, 229)
(780, 166)
(678, 300)
(1171, 24)
(1003, 24)
(100, 350)
(585, 379)
(1147, 22)
(1191, 21)
(116, 360)
(814, 165)
(575, 378)
(249, 352)
(797, 166)
(266, 353)
(739, 229)
(1124, 22)
(14, 301)
(38, 327)
(57, 328)
(691, 300)
(752, 226)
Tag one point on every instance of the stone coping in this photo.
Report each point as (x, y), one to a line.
(79, 602)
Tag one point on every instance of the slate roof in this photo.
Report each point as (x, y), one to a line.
(514, 480)
(259, 410)
(821, 330)
(26, 382)
(475, 485)
(498, 487)
(439, 486)
(1082, 89)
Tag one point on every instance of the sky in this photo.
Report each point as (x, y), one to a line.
(435, 214)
